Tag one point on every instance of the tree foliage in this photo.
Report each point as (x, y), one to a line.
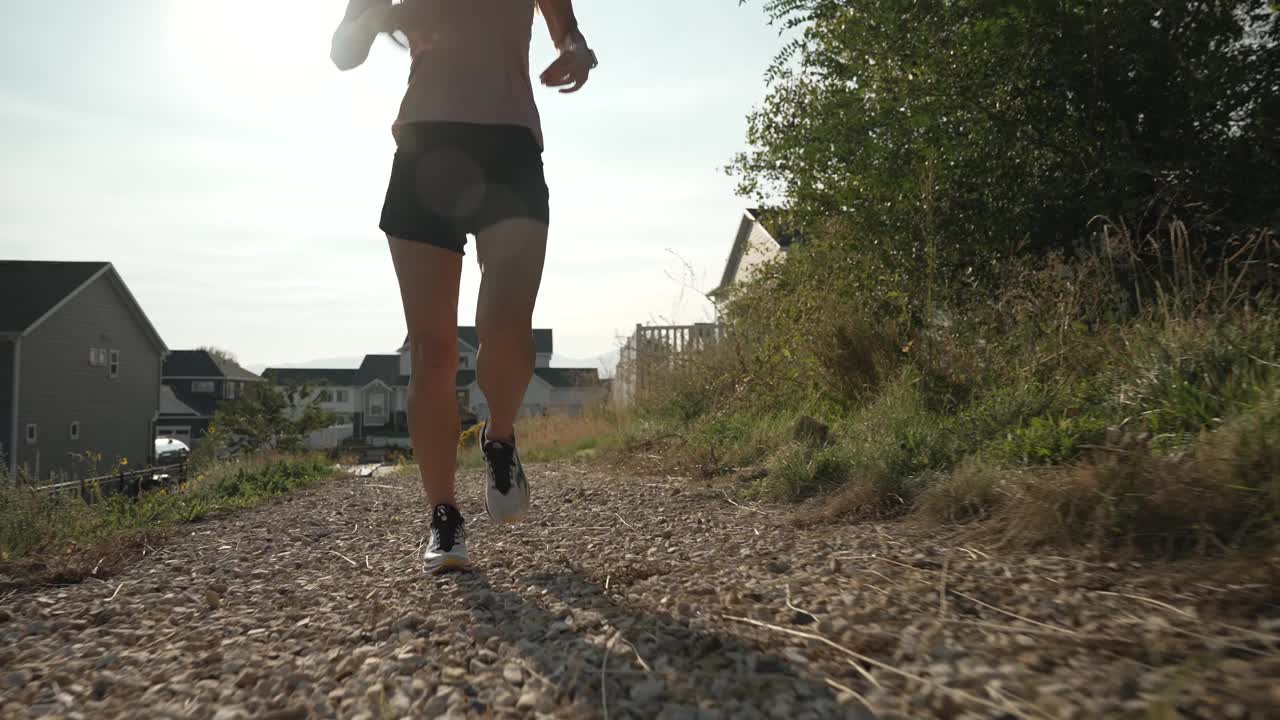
(947, 135)
(270, 416)
(220, 355)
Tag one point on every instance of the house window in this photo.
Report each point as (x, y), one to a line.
(201, 386)
(325, 396)
(462, 361)
(341, 395)
(114, 368)
(75, 430)
(462, 398)
(33, 433)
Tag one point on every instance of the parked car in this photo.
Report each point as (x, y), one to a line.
(171, 451)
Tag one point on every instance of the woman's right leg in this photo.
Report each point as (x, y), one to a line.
(429, 278)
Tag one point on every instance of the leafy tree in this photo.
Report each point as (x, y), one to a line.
(220, 355)
(271, 416)
(948, 135)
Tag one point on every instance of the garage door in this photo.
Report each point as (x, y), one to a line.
(181, 433)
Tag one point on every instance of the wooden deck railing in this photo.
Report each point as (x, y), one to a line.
(654, 349)
(128, 482)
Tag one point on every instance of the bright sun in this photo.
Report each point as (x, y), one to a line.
(247, 52)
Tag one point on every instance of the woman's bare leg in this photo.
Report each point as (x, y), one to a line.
(429, 278)
(511, 255)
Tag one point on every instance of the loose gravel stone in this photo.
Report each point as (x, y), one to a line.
(693, 608)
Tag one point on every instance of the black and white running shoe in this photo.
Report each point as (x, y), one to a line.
(507, 497)
(448, 548)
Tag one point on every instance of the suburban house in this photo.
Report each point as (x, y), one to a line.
(551, 391)
(373, 398)
(79, 370)
(760, 239)
(195, 382)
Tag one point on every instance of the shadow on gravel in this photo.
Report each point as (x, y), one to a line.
(692, 673)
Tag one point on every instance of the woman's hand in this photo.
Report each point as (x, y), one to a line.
(570, 71)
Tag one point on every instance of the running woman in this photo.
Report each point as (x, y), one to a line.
(468, 161)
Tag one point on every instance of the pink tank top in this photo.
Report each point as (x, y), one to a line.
(470, 63)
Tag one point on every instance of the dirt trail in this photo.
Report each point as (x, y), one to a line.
(628, 597)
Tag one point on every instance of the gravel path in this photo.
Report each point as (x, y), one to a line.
(630, 597)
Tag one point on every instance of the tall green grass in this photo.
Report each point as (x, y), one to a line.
(1103, 398)
(35, 523)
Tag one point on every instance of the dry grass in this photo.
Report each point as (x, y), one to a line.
(1224, 492)
(968, 493)
(558, 437)
(74, 563)
(558, 433)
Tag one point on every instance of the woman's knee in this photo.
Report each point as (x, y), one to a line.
(433, 352)
(505, 328)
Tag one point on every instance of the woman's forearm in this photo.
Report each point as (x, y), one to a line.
(354, 37)
(561, 22)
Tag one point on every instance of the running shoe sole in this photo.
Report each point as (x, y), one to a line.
(510, 519)
(447, 563)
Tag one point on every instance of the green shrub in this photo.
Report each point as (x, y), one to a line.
(1000, 387)
(1035, 274)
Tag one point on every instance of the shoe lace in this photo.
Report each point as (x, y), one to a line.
(501, 458)
(447, 529)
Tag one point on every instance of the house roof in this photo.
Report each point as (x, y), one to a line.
(204, 364)
(202, 404)
(776, 226)
(770, 221)
(31, 290)
(172, 406)
(569, 377)
(467, 334)
(379, 367)
(463, 379)
(343, 377)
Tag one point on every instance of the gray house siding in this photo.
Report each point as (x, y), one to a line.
(59, 386)
(6, 403)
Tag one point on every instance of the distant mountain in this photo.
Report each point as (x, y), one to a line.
(604, 362)
(332, 362)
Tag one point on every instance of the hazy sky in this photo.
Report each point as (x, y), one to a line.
(210, 150)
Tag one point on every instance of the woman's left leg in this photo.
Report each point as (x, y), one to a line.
(511, 254)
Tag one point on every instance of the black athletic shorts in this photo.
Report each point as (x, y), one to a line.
(449, 180)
